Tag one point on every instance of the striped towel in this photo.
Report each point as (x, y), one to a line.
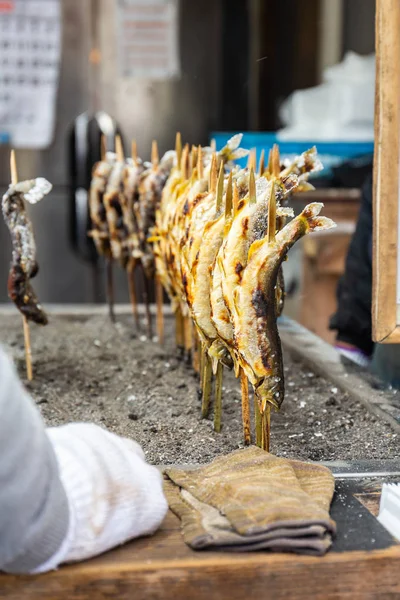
(252, 500)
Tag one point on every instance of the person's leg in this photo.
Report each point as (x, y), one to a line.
(352, 319)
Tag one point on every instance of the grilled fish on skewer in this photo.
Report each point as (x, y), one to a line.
(248, 224)
(131, 178)
(257, 343)
(150, 191)
(98, 216)
(176, 213)
(112, 203)
(24, 265)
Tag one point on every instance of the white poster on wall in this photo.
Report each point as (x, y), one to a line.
(148, 39)
(30, 50)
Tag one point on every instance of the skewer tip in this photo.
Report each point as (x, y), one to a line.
(134, 153)
(252, 160)
(103, 147)
(154, 154)
(252, 187)
(261, 167)
(178, 147)
(220, 187)
(212, 184)
(13, 167)
(229, 196)
(200, 166)
(119, 148)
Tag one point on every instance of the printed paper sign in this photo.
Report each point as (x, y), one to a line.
(30, 48)
(148, 39)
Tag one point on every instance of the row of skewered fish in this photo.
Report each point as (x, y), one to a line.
(122, 200)
(219, 242)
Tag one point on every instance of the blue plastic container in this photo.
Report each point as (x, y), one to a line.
(4, 137)
(331, 154)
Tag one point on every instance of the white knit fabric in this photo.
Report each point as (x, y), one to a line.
(113, 494)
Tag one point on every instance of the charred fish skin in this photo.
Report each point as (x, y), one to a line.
(98, 216)
(151, 187)
(130, 198)
(113, 202)
(198, 293)
(257, 339)
(24, 265)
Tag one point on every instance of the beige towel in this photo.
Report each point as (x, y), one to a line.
(252, 500)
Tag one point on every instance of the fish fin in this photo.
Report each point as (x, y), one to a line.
(254, 247)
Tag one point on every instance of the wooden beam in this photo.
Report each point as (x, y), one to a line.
(386, 172)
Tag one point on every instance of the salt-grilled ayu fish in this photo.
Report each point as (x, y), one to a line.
(24, 265)
(98, 216)
(113, 201)
(257, 343)
(150, 192)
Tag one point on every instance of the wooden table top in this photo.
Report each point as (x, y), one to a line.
(163, 567)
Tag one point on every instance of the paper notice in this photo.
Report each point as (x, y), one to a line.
(148, 39)
(30, 49)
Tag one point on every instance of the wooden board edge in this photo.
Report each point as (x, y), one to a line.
(393, 337)
(353, 574)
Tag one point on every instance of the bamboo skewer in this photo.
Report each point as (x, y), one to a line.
(185, 162)
(244, 387)
(155, 159)
(252, 160)
(261, 167)
(201, 363)
(28, 351)
(27, 337)
(200, 166)
(134, 153)
(266, 428)
(212, 182)
(160, 310)
(178, 148)
(252, 188)
(187, 337)
(271, 231)
(220, 189)
(132, 291)
(196, 349)
(119, 149)
(258, 422)
(103, 147)
(206, 384)
(146, 299)
(218, 398)
(179, 331)
(110, 288)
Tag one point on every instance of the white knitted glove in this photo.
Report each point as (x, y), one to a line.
(113, 494)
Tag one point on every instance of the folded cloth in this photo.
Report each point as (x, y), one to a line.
(252, 500)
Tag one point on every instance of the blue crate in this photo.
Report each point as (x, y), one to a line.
(331, 154)
(4, 137)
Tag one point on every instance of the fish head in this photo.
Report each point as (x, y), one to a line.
(270, 390)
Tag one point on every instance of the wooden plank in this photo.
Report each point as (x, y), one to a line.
(386, 171)
(162, 567)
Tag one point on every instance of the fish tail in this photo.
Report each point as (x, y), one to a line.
(314, 221)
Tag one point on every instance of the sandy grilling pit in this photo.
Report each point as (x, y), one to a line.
(87, 369)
